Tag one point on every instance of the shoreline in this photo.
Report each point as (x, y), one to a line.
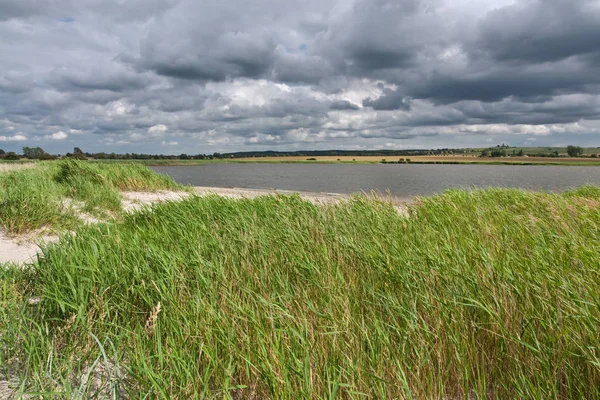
(314, 197)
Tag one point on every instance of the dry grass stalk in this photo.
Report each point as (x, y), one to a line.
(152, 318)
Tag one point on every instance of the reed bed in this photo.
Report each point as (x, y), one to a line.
(15, 166)
(475, 294)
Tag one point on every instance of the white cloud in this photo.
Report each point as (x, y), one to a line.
(15, 138)
(60, 135)
(164, 143)
(157, 130)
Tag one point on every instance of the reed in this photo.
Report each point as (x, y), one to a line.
(475, 294)
(40, 195)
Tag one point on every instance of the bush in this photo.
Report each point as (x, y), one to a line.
(11, 156)
(574, 151)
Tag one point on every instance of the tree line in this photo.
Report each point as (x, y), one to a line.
(502, 151)
(37, 153)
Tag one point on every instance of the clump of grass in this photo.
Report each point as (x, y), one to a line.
(480, 294)
(37, 196)
(30, 199)
(84, 182)
(134, 177)
(590, 192)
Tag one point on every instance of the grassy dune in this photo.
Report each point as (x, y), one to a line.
(492, 294)
(33, 197)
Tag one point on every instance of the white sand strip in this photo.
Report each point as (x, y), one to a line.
(133, 201)
(22, 249)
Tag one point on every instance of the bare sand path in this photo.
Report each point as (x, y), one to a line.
(22, 250)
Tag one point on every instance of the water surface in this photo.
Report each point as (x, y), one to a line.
(398, 179)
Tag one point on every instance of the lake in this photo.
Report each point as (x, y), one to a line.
(399, 179)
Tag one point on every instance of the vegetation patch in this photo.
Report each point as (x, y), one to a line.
(488, 293)
(34, 197)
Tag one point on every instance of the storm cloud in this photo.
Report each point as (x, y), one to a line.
(184, 76)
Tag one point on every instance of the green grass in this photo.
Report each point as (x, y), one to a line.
(482, 294)
(34, 198)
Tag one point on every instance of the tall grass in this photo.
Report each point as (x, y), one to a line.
(31, 199)
(34, 197)
(14, 166)
(484, 294)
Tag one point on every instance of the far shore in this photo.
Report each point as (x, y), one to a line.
(449, 159)
(462, 159)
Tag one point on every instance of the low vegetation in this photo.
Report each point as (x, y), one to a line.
(497, 151)
(480, 294)
(40, 195)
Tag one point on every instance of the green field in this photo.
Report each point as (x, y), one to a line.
(544, 150)
(472, 294)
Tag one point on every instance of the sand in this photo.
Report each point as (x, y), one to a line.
(133, 201)
(22, 250)
(239, 193)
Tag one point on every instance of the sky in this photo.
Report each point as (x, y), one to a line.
(204, 76)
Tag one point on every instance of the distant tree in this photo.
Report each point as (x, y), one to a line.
(485, 153)
(77, 154)
(498, 153)
(35, 153)
(574, 151)
(11, 156)
(2, 152)
(520, 153)
(47, 156)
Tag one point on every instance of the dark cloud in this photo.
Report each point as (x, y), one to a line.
(389, 100)
(343, 105)
(25, 8)
(114, 78)
(529, 83)
(229, 56)
(540, 31)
